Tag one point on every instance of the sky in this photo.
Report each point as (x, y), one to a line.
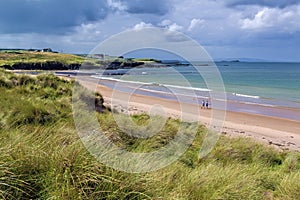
(262, 29)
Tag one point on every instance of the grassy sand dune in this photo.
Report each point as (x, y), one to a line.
(42, 156)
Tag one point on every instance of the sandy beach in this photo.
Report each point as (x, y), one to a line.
(278, 132)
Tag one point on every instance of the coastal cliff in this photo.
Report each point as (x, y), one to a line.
(39, 60)
(48, 65)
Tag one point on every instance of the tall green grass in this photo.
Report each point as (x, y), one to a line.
(42, 156)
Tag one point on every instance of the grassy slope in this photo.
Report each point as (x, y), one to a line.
(42, 156)
(12, 57)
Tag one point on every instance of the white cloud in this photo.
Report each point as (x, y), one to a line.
(142, 25)
(165, 22)
(282, 20)
(91, 28)
(170, 25)
(118, 5)
(175, 27)
(263, 19)
(195, 23)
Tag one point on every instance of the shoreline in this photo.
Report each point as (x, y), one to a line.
(278, 132)
(278, 111)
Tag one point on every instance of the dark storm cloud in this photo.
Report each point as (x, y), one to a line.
(157, 7)
(48, 16)
(269, 3)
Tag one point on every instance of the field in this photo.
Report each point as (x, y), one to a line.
(42, 156)
(13, 57)
(30, 60)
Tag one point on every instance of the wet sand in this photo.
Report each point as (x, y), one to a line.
(279, 132)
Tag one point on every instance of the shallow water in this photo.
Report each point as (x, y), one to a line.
(259, 88)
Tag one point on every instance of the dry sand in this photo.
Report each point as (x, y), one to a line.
(278, 132)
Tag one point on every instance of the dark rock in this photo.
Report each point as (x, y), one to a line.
(48, 65)
(7, 67)
(291, 143)
(278, 144)
(123, 65)
(47, 50)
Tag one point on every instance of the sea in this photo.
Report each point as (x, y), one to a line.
(264, 88)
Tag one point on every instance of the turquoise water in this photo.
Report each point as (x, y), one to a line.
(279, 81)
(271, 89)
(275, 84)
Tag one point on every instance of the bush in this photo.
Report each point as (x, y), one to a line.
(25, 80)
(28, 114)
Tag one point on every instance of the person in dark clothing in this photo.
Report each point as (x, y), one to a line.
(203, 104)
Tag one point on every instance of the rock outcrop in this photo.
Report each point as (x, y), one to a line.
(48, 65)
(123, 65)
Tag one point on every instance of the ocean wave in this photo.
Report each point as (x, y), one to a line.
(154, 83)
(245, 95)
(189, 88)
(246, 102)
(171, 93)
(260, 104)
(193, 97)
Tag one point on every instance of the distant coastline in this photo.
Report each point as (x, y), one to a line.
(46, 59)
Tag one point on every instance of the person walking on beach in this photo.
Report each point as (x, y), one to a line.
(206, 104)
(203, 104)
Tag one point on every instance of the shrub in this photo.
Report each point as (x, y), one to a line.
(28, 114)
(25, 80)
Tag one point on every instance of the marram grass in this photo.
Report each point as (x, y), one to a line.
(42, 156)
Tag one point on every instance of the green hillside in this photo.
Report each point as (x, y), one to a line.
(12, 57)
(33, 60)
